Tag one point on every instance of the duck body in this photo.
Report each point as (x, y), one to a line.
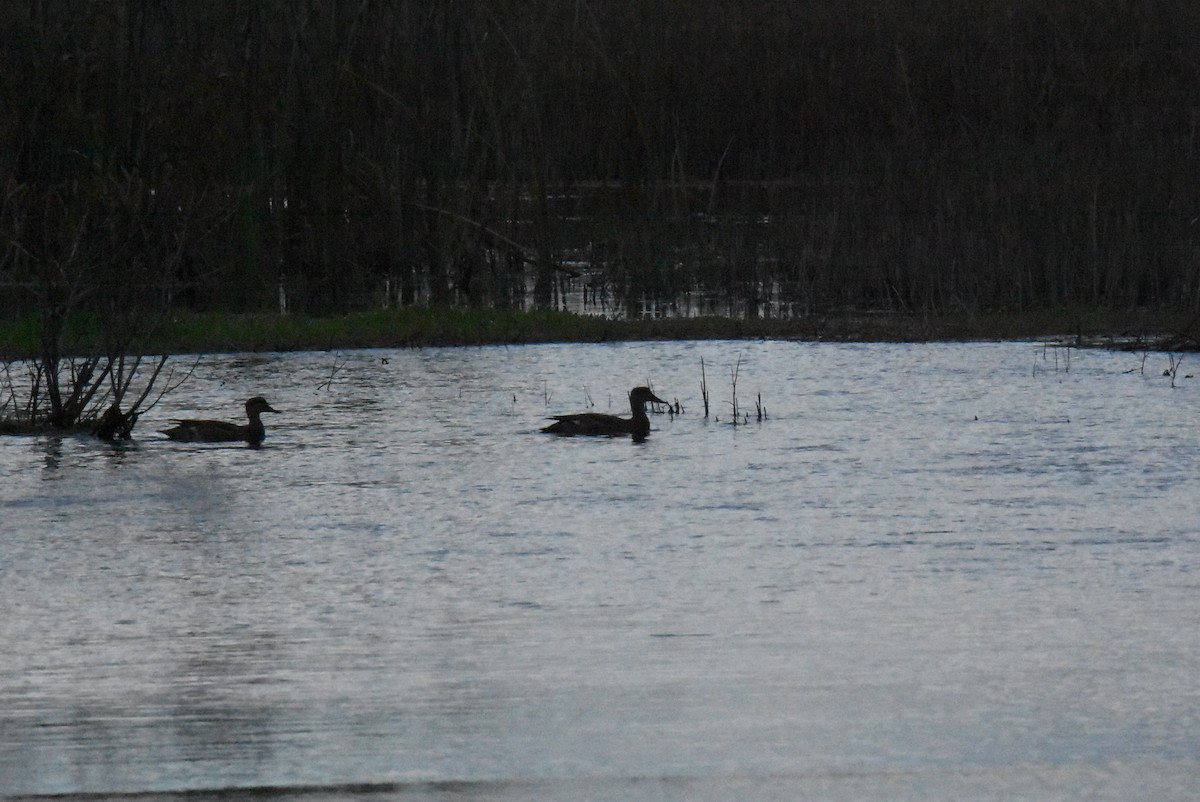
(187, 430)
(601, 424)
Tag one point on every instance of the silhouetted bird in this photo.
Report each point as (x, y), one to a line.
(598, 423)
(216, 431)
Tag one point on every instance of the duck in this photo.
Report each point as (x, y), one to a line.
(217, 431)
(598, 423)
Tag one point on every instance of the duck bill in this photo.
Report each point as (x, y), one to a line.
(655, 399)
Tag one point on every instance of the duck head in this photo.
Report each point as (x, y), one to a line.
(258, 405)
(640, 396)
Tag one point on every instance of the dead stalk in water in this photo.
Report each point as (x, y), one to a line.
(1175, 361)
(734, 374)
(338, 364)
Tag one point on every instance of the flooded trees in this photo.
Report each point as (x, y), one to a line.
(96, 260)
(785, 159)
(97, 223)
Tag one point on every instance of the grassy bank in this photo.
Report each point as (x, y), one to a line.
(423, 326)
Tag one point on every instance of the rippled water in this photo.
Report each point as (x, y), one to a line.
(933, 571)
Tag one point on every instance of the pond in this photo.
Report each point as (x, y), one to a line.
(930, 571)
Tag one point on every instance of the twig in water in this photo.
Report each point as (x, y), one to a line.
(337, 365)
(736, 370)
(703, 387)
(758, 406)
(1176, 361)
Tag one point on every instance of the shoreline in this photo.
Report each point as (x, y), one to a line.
(416, 327)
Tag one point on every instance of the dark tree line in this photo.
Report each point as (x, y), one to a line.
(898, 154)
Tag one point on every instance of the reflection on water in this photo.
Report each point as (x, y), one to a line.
(933, 570)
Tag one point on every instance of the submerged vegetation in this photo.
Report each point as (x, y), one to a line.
(176, 176)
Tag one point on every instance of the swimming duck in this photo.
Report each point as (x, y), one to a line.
(217, 431)
(598, 423)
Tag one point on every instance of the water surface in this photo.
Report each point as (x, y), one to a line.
(933, 571)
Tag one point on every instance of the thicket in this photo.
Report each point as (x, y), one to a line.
(898, 154)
